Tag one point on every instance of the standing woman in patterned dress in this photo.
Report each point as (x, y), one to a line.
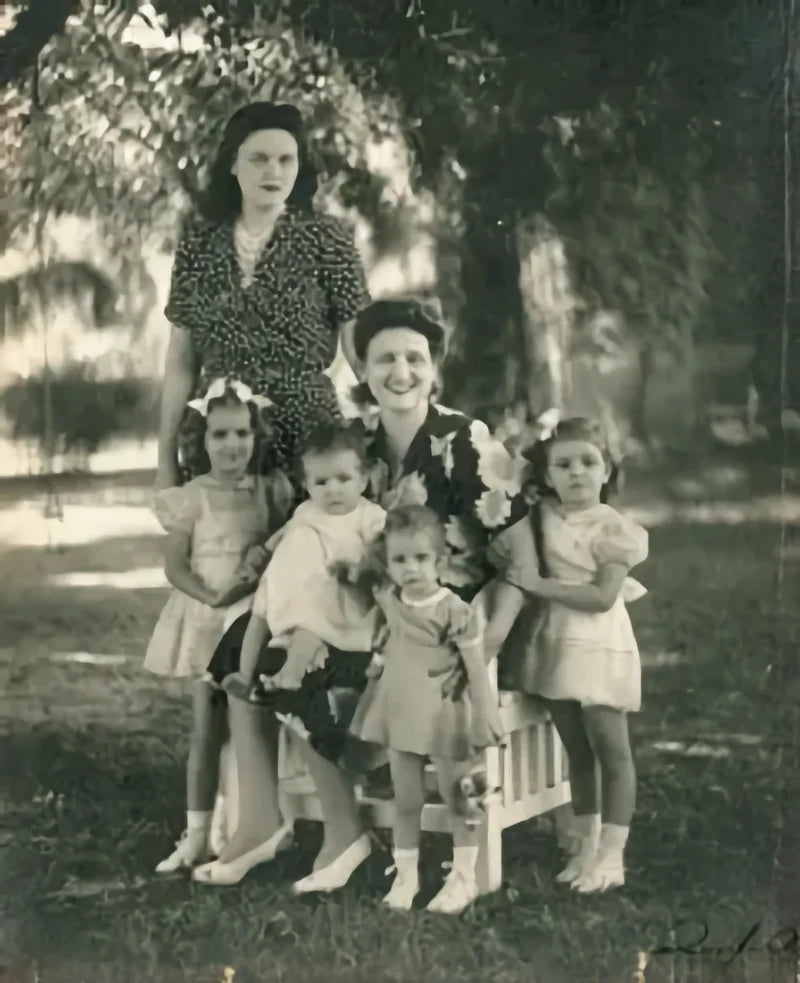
(262, 287)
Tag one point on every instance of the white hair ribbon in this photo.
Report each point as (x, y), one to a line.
(217, 390)
(548, 422)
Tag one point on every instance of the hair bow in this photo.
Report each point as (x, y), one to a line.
(217, 390)
(547, 423)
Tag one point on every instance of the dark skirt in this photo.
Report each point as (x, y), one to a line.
(324, 703)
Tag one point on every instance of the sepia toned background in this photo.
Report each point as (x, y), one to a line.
(597, 193)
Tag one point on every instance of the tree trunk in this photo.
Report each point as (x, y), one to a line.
(547, 314)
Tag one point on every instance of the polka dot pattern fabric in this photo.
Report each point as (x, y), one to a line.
(278, 330)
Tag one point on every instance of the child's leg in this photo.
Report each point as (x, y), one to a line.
(608, 732)
(409, 798)
(461, 887)
(202, 772)
(584, 779)
(304, 653)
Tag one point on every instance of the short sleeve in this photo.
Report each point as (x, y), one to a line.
(465, 627)
(178, 509)
(341, 272)
(620, 540)
(487, 478)
(373, 521)
(182, 289)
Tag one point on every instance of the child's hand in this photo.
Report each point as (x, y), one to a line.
(375, 669)
(234, 593)
(486, 731)
(341, 570)
(256, 558)
(454, 678)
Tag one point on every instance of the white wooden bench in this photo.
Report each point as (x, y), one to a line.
(529, 773)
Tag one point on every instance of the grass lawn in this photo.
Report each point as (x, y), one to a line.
(91, 783)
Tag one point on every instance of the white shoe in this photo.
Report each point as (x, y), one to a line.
(457, 893)
(576, 867)
(225, 874)
(189, 850)
(404, 889)
(338, 873)
(608, 871)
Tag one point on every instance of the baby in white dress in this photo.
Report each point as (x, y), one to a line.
(304, 602)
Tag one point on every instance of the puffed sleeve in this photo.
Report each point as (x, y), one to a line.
(182, 289)
(620, 540)
(486, 478)
(178, 509)
(341, 272)
(465, 623)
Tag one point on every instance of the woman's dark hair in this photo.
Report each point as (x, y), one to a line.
(573, 428)
(422, 316)
(192, 443)
(222, 200)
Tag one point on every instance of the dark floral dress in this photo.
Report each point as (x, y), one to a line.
(279, 332)
(456, 468)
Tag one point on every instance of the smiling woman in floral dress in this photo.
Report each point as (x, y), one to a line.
(420, 453)
(262, 287)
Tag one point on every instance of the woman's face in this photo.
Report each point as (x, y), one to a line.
(266, 167)
(229, 440)
(399, 369)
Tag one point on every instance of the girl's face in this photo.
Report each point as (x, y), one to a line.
(335, 480)
(266, 167)
(412, 562)
(576, 471)
(229, 441)
(399, 369)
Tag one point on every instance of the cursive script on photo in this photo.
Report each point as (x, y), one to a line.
(695, 935)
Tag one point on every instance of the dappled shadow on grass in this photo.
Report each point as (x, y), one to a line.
(110, 748)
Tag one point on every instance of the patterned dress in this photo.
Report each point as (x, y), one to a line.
(276, 329)
(468, 478)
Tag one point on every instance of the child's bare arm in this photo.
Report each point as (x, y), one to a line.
(598, 596)
(179, 572)
(508, 601)
(256, 634)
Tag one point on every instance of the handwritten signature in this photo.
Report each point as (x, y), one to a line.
(783, 940)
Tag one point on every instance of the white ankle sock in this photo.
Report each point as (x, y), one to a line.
(614, 837)
(465, 859)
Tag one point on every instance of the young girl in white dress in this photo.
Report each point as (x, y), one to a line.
(582, 656)
(216, 526)
(420, 625)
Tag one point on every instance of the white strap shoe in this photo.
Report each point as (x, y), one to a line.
(404, 889)
(224, 874)
(189, 850)
(608, 871)
(338, 873)
(457, 893)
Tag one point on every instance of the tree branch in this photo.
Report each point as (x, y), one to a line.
(35, 25)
